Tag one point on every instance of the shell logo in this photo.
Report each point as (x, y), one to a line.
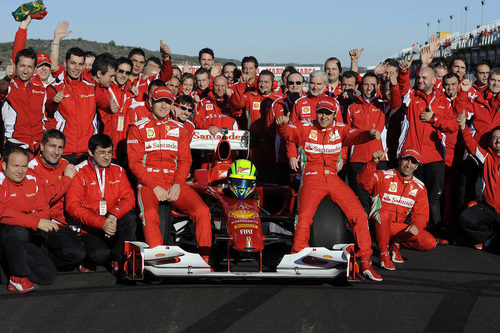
(256, 105)
(314, 134)
(306, 110)
(327, 256)
(150, 133)
(159, 255)
(243, 214)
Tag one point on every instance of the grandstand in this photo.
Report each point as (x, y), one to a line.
(480, 44)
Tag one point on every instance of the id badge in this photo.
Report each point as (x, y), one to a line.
(102, 208)
(119, 126)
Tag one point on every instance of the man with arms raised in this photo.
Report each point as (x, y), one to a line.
(323, 141)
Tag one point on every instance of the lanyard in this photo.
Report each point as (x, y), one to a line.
(100, 181)
(116, 100)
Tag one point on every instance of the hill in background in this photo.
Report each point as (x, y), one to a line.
(43, 45)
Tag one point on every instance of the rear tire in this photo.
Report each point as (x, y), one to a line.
(329, 225)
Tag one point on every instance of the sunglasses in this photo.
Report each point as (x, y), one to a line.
(297, 83)
(184, 108)
(122, 71)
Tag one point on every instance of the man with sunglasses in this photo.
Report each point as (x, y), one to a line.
(116, 123)
(283, 106)
(159, 156)
(322, 142)
(100, 203)
(397, 195)
(183, 109)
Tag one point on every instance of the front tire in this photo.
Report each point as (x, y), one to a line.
(329, 225)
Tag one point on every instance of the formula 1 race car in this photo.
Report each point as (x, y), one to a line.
(247, 229)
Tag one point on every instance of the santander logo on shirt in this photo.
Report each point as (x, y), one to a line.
(161, 145)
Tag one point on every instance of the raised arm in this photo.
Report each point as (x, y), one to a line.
(60, 33)
(355, 54)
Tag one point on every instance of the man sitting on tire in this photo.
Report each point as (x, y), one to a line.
(322, 142)
(397, 194)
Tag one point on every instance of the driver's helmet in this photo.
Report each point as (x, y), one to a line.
(241, 178)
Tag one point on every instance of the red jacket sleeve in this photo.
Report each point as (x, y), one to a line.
(404, 82)
(183, 158)
(472, 146)
(446, 122)
(291, 133)
(50, 106)
(19, 42)
(238, 100)
(135, 153)
(14, 217)
(75, 208)
(127, 201)
(166, 71)
(367, 178)
(419, 215)
(396, 99)
(354, 137)
(58, 189)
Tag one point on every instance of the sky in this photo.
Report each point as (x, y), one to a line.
(304, 32)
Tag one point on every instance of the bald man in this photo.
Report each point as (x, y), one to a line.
(430, 116)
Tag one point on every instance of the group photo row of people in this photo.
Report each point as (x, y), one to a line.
(93, 143)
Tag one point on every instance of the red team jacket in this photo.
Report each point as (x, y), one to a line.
(485, 116)
(426, 137)
(84, 195)
(491, 170)
(322, 146)
(362, 115)
(22, 204)
(23, 112)
(56, 185)
(76, 114)
(158, 152)
(394, 197)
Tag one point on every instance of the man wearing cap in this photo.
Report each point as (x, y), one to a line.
(159, 156)
(396, 196)
(304, 109)
(322, 142)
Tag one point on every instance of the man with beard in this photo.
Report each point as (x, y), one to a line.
(429, 116)
(397, 195)
(214, 111)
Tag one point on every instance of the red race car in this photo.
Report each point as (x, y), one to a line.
(251, 233)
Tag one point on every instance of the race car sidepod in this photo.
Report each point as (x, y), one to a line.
(173, 261)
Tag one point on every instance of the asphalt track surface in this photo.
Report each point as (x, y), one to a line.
(452, 289)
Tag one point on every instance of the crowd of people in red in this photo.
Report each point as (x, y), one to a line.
(403, 162)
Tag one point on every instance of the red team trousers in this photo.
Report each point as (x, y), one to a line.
(189, 203)
(311, 194)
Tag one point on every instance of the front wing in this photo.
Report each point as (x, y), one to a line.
(173, 261)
